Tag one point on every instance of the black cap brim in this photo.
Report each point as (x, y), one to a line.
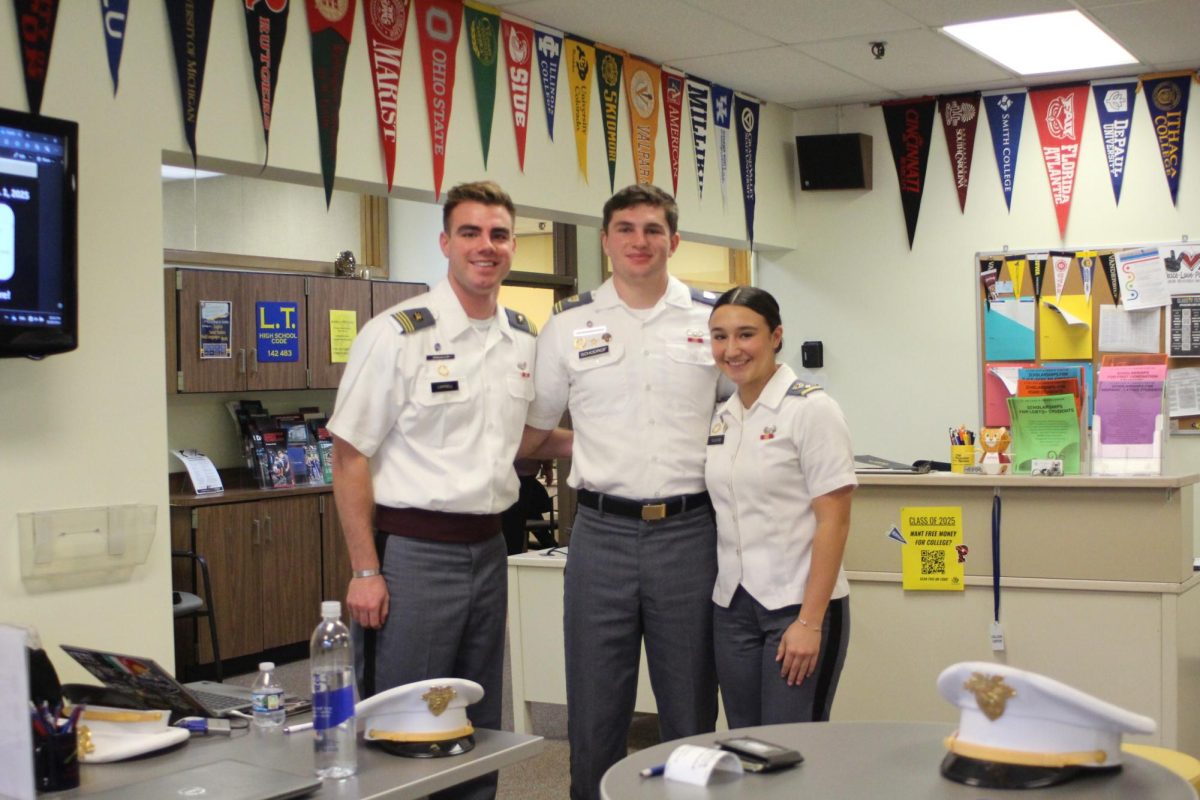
(995, 775)
(442, 749)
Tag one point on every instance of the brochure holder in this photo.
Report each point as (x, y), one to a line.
(70, 548)
(1127, 459)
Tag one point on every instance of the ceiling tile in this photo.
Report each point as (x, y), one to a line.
(936, 13)
(779, 75)
(789, 22)
(1162, 33)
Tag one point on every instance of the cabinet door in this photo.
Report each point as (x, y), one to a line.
(385, 294)
(290, 565)
(290, 373)
(229, 537)
(326, 295)
(218, 373)
(335, 558)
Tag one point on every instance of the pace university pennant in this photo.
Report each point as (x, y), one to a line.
(266, 29)
(35, 34)
(722, 102)
(699, 92)
(1006, 112)
(387, 21)
(1059, 112)
(331, 24)
(483, 38)
(672, 93)
(641, 89)
(517, 42)
(438, 26)
(1114, 109)
(745, 110)
(113, 14)
(581, 63)
(960, 115)
(549, 53)
(190, 22)
(608, 80)
(1167, 99)
(909, 125)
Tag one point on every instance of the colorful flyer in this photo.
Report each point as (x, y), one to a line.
(277, 331)
(343, 327)
(216, 332)
(933, 536)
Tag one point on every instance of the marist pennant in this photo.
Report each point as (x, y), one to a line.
(1114, 109)
(113, 14)
(266, 28)
(331, 23)
(608, 80)
(517, 42)
(909, 125)
(698, 93)
(438, 26)
(483, 36)
(1167, 99)
(960, 115)
(672, 93)
(190, 22)
(549, 45)
(387, 20)
(35, 34)
(641, 89)
(1059, 112)
(1006, 112)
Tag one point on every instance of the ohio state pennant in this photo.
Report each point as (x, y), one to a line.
(641, 89)
(745, 110)
(1059, 112)
(266, 28)
(909, 125)
(699, 92)
(113, 14)
(35, 34)
(581, 63)
(1114, 109)
(331, 24)
(1167, 99)
(960, 115)
(1006, 112)
(549, 46)
(722, 102)
(516, 40)
(438, 25)
(672, 94)
(483, 37)
(190, 22)
(387, 21)
(608, 80)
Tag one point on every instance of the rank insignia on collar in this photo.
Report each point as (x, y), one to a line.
(768, 432)
(718, 427)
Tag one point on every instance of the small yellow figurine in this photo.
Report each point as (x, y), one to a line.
(995, 442)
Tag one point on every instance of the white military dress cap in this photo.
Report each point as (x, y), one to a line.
(425, 719)
(114, 734)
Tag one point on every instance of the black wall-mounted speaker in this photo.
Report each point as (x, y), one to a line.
(834, 161)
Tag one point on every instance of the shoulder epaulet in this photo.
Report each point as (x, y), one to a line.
(573, 302)
(520, 322)
(702, 296)
(802, 389)
(414, 319)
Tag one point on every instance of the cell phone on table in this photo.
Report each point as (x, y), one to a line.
(759, 756)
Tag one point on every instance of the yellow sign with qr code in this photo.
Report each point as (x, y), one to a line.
(932, 555)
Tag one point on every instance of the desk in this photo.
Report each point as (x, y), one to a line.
(897, 760)
(379, 775)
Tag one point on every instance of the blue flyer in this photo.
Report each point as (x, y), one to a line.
(277, 331)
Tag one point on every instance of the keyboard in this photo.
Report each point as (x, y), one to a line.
(219, 702)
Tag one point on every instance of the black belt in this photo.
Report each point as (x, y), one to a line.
(643, 509)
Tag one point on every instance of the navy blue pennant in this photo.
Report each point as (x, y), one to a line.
(1114, 107)
(190, 22)
(549, 50)
(1005, 113)
(745, 111)
(113, 14)
(1167, 99)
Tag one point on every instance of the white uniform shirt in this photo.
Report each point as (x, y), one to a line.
(641, 392)
(765, 465)
(440, 410)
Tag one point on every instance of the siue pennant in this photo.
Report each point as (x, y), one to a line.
(517, 42)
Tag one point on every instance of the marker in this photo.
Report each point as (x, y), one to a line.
(300, 726)
(653, 772)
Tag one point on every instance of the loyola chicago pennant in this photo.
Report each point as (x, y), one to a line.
(698, 93)
(745, 110)
(190, 22)
(483, 37)
(35, 34)
(387, 20)
(1114, 109)
(1006, 112)
(266, 28)
(608, 80)
(909, 125)
(113, 15)
(1167, 99)
(641, 88)
(672, 89)
(438, 24)
(330, 24)
(517, 42)
(580, 62)
(1059, 113)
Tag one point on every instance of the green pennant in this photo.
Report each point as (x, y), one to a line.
(608, 79)
(483, 38)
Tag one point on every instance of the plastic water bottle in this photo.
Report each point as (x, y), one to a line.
(266, 697)
(332, 664)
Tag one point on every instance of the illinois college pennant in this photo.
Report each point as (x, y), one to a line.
(517, 42)
(266, 28)
(745, 110)
(1006, 112)
(387, 21)
(331, 23)
(1114, 109)
(438, 26)
(960, 115)
(483, 36)
(698, 93)
(641, 87)
(608, 80)
(672, 93)
(549, 46)
(581, 63)
(190, 22)
(113, 14)
(35, 34)
(1059, 112)
(909, 125)
(1167, 99)
(722, 103)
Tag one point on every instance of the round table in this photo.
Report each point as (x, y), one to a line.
(896, 760)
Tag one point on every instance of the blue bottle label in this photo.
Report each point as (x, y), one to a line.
(332, 708)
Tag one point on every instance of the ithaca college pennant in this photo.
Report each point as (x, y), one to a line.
(722, 103)
(35, 34)
(1006, 112)
(581, 63)
(331, 23)
(190, 22)
(1059, 112)
(113, 14)
(438, 25)
(549, 45)
(608, 80)
(517, 42)
(698, 93)
(745, 111)
(909, 125)
(1114, 109)
(387, 20)
(483, 38)
(672, 94)
(266, 28)
(1167, 99)
(641, 89)
(960, 115)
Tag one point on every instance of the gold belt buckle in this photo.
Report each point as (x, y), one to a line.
(655, 512)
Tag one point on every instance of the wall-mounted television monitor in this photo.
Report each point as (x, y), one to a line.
(38, 186)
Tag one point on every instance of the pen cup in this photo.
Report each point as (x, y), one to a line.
(55, 761)
(961, 455)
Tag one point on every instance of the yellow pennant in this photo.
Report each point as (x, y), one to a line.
(580, 64)
(642, 80)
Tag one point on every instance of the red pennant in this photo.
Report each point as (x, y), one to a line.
(1059, 113)
(330, 23)
(35, 33)
(438, 25)
(517, 42)
(672, 89)
(386, 22)
(960, 115)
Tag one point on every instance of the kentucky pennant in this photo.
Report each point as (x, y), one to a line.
(1167, 99)
(266, 28)
(641, 87)
(722, 101)
(1059, 112)
(483, 36)
(909, 125)
(387, 20)
(698, 93)
(517, 42)
(1114, 108)
(549, 49)
(35, 34)
(438, 25)
(745, 111)
(608, 79)
(113, 14)
(331, 23)
(960, 115)
(672, 94)
(190, 22)
(581, 63)
(1006, 112)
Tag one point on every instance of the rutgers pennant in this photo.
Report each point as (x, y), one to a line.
(1059, 112)
(387, 21)
(331, 23)
(35, 34)
(266, 28)
(516, 40)
(438, 25)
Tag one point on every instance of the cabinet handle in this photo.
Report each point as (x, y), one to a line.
(270, 529)
(256, 540)
(241, 361)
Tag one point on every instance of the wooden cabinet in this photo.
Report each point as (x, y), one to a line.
(325, 296)
(335, 558)
(385, 294)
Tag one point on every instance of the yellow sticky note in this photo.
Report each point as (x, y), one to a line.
(1065, 327)
(930, 555)
(343, 327)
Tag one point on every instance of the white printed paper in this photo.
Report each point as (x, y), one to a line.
(1183, 392)
(1124, 330)
(693, 764)
(1143, 278)
(201, 470)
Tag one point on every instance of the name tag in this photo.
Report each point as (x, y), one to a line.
(593, 351)
(716, 439)
(439, 356)
(443, 386)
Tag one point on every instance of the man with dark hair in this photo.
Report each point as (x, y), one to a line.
(632, 363)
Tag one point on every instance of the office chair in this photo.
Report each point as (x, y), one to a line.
(189, 605)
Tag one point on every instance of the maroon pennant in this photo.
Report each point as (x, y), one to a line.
(331, 23)
(386, 22)
(266, 29)
(672, 95)
(35, 34)
(960, 115)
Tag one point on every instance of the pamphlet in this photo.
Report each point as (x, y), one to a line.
(690, 763)
(1044, 427)
(200, 469)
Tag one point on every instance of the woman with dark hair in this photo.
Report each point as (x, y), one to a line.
(780, 471)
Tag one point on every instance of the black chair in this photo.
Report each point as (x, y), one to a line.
(188, 605)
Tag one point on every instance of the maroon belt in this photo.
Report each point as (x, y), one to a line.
(442, 526)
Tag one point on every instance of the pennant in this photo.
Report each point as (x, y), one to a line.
(1016, 273)
(1108, 262)
(722, 102)
(581, 62)
(608, 79)
(960, 115)
(330, 23)
(1006, 112)
(746, 111)
(387, 21)
(35, 34)
(672, 94)
(113, 14)
(641, 87)
(438, 26)
(1087, 270)
(266, 28)
(1037, 268)
(1114, 109)
(1167, 99)
(549, 48)
(698, 93)
(483, 35)
(909, 125)
(190, 22)
(517, 41)
(1060, 266)
(1059, 112)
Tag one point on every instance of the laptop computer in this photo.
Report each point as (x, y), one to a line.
(228, 780)
(154, 687)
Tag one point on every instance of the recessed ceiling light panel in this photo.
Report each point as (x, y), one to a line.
(1064, 41)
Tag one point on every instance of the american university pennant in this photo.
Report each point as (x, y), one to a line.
(387, 21)
(516, 40)
(1059, 112)
(722, 103)
(672, 94)
(266, 29)
(330, 25)
(113, 14)
(745, 111)
(1167, 99)
(1114, 109)
(909, 125)
(698, 94)
(190, 22)
(483, 36)
(438, 25)
(960, 115)
(581, 63)
(608, 81)
(641, 88)
(1006, 112)
(548, 45)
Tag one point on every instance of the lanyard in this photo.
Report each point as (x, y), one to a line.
(997, 632)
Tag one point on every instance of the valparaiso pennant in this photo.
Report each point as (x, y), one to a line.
(960, 115)
(190, 22)
(483, 35)
(698, 92)
(1059, 113)
(35, 35)
(641, 88)
(549, 46)
(745, 111)
(113, 14)
(672, 93)
(608, 80)
(330, 24)
(266, 28)
(387, 20)
(1006, 112)
(1167, 99)
(438, 24)
(722, 102)
(517, 42)
(909, 125)
(1114, 109)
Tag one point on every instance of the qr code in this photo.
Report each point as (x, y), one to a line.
(933, 562)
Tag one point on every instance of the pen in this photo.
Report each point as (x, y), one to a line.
(300, 726)
(653, 772)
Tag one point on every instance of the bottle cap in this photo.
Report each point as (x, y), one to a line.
(331, 608)
(266, 666)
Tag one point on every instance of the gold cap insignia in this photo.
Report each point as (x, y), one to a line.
(417, 316)
(85, 746)
(437, 698)
(991, 693)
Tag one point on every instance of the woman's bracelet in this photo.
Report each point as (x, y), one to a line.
(807, 626)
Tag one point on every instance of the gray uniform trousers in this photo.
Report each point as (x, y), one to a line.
(446, 616)
(626, 579)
